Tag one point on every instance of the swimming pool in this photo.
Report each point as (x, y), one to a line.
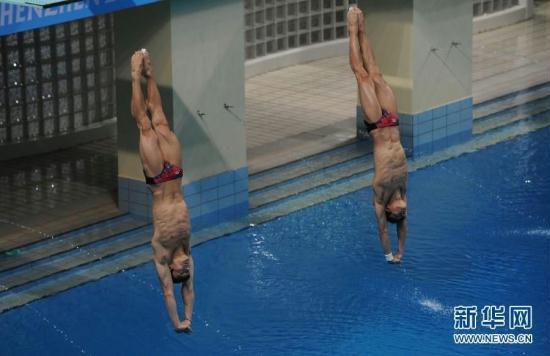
(315, 281)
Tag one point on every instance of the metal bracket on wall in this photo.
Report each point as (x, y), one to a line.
(228, 108)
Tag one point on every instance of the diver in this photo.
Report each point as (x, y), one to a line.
(390, 164)
(160, 154)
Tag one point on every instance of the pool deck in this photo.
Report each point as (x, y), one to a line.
(305, 109)
(512, 58)
(299, 111)
(47, 194)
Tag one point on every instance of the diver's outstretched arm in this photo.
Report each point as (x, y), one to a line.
(165, 279)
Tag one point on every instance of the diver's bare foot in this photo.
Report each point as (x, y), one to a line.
(136, 63)
(360, 19)
(352, 20)
(147, 65)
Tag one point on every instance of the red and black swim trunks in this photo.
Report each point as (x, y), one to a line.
(169, 172)
(387, 119)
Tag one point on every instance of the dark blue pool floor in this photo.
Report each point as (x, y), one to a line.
(315, 282)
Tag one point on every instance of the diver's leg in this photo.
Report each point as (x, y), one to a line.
(168, 141)
(367, 94)
(384, 93)
(151, 156)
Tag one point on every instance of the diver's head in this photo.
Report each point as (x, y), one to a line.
(180, 267)
(396, 209)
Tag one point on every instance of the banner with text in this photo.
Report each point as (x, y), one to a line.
(16, 18)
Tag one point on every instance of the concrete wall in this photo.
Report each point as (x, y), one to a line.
(389, 26)
(441, 114)
(208, 62)
(444, 75)
(141, 27)
(197, 50)
(424, 48)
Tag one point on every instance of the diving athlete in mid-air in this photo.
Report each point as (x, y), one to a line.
(390, 164)
(160, 154)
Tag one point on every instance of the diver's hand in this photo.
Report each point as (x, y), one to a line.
(179, 328)
(184, 327)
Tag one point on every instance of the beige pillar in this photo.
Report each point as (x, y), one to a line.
(197, 50)
(424, 48)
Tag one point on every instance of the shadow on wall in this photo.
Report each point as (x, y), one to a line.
(149, 27)
(206, 126)
(388, 25)
(198, 126)
(208, 72)
(442, 60)
(441, 66)
(198, 59)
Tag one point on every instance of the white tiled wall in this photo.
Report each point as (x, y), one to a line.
(276, 25)
(482, 7)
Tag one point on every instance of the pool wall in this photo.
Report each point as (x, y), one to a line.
(431, 130)
(211, 200)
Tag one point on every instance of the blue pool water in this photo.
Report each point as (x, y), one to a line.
(315, 282)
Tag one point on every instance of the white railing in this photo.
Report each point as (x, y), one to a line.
(483, 7)
(491, 14)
